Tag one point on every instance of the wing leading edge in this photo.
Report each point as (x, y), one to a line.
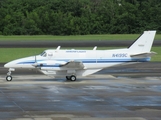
(73, 64)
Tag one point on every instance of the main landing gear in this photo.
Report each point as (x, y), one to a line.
(9, 77)
(71, 78)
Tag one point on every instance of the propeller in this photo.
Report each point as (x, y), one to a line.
(35, 64)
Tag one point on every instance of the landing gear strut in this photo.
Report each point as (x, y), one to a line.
(9, 77)
(72, 78)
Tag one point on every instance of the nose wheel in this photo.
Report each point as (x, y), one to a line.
(9, 77)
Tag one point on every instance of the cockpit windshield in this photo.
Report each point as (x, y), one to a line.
(43, 54)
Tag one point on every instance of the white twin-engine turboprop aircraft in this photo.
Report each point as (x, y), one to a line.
(73, 63)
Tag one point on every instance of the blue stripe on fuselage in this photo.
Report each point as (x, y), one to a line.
(90, 61)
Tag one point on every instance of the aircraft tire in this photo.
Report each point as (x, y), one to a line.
(73, 78)
(9, 78)
(67, 77)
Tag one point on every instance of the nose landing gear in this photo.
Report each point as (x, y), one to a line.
(9, 77)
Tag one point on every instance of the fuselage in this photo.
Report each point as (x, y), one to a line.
(51, 60)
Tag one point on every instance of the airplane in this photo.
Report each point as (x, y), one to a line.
(74, 63)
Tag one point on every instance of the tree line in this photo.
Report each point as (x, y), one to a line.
(78, 17)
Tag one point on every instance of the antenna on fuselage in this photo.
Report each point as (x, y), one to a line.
(58, 48)
(95, 48)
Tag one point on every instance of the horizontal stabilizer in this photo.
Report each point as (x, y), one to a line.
(143, 55)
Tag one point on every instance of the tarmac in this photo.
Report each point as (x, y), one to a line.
(131, 92)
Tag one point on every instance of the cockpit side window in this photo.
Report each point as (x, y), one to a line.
(44, 54)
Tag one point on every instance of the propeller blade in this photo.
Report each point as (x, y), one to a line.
(35, 64)
(35, 59)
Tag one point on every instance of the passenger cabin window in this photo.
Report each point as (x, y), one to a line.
(44, 54)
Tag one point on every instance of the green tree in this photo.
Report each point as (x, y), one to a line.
(71, 17)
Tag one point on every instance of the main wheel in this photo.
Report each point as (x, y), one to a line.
(9, 78)
(68, 77)
(73, 78)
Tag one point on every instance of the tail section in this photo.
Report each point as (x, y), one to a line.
(144, 43)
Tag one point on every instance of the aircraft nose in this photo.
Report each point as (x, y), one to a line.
(11, 64)
(7, 65)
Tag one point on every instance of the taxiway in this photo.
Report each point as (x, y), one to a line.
(131, 92)
(97, 97)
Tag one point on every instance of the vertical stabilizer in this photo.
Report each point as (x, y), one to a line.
(143, 43)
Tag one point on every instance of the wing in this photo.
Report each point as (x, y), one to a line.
(60, 65)
(73, 64)
(143, 55)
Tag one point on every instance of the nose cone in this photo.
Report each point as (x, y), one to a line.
(21, 63)
(7, 65)
(10, 65)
